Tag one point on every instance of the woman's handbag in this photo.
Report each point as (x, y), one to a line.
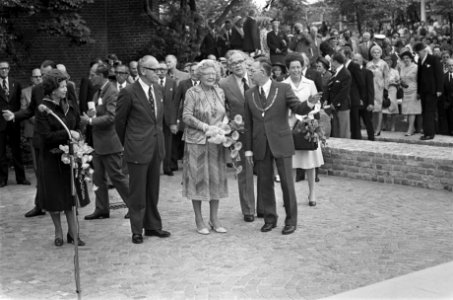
(300, 141)
(385, 99)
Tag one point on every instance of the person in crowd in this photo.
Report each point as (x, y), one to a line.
(10, 91)
(367, 103)
(380, 71)
(209, 43)
(204, 173)
(28, 125)
(446, 54)
(429, 87)
(178, 105)
(63, 69)
(251, 42)
(411, 105)
(323, 67)
(316, 42)
(107, 157)
(393, 84)
(54, 175)
(338, 97)
(357, 92)
(237, 33)
(173, 72)
(311, 72)
(303, 88)
(437, 51)
(364, 46)
(278, 72)
(264, 26)
(112, 61)
(234, 87)
(168, 86)
(224, 39)
(268, 139)
(277, 42)
(133, 72)
(139, 118)
(121, 75)
(448, 97)
(86, 93)
(301, 41)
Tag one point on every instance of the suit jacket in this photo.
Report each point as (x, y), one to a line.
(369, 87)
(86, 93)
(138, 128)
(358, 89)
(279, 41)
(251, 36)
(315, 76)
(364, 50)
(430, 75)
(25, 99)
(209, 45)
(178, 76)
(236, 39)
(273, 127)
(169, 91)
(178, 101)
(447, 92)
(105, 138)
(11, 101)
(234, 99)
(338, 92)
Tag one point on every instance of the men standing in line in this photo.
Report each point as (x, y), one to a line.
(108, 150)
(168, 86)
(234, 86)
(251, 42)
(268, 138)
(429, 85)
(10, 91)
(139, 119)
(338, 96)
(173, 72)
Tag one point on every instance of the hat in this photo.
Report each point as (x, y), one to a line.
(324, 61)
(379, 36)
(419, 46)
(406, 52)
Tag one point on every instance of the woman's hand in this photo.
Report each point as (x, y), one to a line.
(75, 135)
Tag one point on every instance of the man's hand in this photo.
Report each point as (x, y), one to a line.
(8, 115)
(75, 135)
(91, 113)
(174, 129)
(84, 119)
(370, 107)
(439, 94)
(249, 160)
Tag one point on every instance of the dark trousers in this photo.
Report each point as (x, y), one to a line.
(429, 110)
(245, 185)
(144, 181)
(168, 136)
(37, 167)
(367, 117)
(177, 149)
(354, 115)
(442, 120)
(265, 169)
(449, 115)
(111, 165)
(11, 136)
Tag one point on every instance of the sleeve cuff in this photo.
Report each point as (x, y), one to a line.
(311, 105)
(248, 153)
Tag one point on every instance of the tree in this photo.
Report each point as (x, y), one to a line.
(59, 18)
(289, 11)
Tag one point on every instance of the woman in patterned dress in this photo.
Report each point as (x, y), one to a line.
(394, 81)
(380, 71)
(204, 174)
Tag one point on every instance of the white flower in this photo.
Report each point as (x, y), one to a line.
(234, 153)
(235, 135)
(238, 146)
(238, 119)
(64, 148)
(85, 166)
(238, 169)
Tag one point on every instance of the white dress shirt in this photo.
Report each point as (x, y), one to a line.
(145, 88)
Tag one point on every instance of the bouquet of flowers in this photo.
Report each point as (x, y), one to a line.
(310, 127)
(227, 133)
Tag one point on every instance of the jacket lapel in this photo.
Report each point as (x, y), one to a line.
(143, 99)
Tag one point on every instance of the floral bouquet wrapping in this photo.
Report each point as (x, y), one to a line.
(227, 133)
(310, 129)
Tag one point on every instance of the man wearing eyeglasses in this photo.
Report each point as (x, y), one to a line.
(10, 131)
(121, 75)
(139, 124)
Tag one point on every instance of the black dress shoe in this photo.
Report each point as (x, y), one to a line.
(24, 182)
(58, 242)
(126, 216)
(249, 218)
(71, 240)
(34, 212)
(137, 238)
(169, 173)
(2, 184)
(97, 215)
(260, 215)
(268, 227)
(157, 232)
(311, 203)
(426, 137)
(288, 229)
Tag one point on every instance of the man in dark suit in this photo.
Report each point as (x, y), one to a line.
(234, 86)
(10, 91)
(338, 97)
(108, 150)
(429, 87)
(357, 93)
(268, 138)
(139, 121)
(223, 41)
(278, 43)
(176, 118)
(251, 42)
(447, 94)
(367, 103)
(168, 86)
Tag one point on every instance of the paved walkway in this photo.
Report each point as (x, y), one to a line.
(360, 233)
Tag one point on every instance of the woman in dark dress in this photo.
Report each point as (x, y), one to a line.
(55, 175)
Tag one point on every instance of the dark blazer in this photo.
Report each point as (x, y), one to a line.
(364, 50)
(358, 89)
(447, 91)
(105, 138)
(338, 92)
(209, 45)
(234, 100)
(236, 39)
(369, 87)
(251, 36)
(316, 77)
(429, 76)
(178, 100)
(273, 127)
(86, 93)
(138, 128)
(10, 102)
(169, 91)
(279, 41)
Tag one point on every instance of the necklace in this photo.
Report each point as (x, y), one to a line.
(264, 109)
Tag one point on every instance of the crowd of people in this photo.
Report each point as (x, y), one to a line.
(149, 114)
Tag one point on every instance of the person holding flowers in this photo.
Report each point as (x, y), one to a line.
(204, 171)
(55, 174)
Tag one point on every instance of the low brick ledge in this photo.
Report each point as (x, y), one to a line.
(389, 162)
(398, 137)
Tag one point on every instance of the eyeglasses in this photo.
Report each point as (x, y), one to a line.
(4, 69)
(237, 63)
(121, 73)
(209, 74)
(151, 69)
(36, 76)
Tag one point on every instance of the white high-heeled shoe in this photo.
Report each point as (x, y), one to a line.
(203, 231)
(219, 229)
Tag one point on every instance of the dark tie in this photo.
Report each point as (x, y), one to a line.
(5, 87)
(450, 78)
(246, 86)
(162, 82)
(263, 97)
(151, 100)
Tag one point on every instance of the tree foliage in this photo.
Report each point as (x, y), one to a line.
(289, 11)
